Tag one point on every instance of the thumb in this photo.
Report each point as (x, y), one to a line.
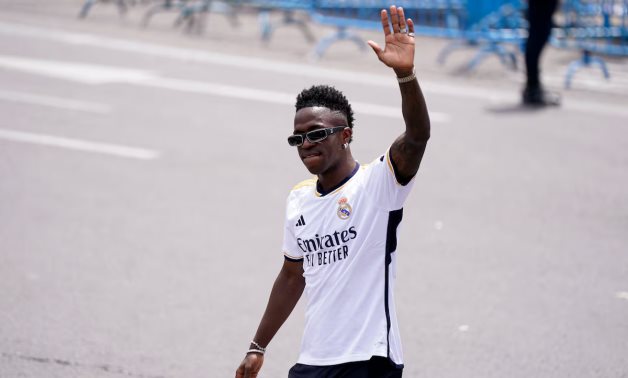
(378, 50)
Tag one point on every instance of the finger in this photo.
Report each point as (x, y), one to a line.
(385, 24)
(394, 18)
(410, 25)
(252, 373)
(378, 50)
(402, 19)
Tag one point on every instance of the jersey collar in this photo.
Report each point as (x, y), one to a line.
(321, 193)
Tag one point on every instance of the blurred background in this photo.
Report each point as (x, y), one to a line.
(144, 170)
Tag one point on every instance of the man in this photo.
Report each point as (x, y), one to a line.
(540, 19)
(340, 231)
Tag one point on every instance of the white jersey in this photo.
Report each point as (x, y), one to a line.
(346, 240)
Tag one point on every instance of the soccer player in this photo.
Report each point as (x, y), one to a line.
(340, 233)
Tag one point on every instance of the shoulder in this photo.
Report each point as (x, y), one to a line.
(298, 196)
(309, 183)
(380, 163)
(301, 191)
(384, 162)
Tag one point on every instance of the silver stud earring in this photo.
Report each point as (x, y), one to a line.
(344, 146)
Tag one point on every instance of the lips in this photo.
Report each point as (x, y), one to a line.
(310, 155)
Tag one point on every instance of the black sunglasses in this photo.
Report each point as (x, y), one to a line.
(314, 136)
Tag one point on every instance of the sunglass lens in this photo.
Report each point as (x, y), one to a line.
(295, 140)
(317, 135)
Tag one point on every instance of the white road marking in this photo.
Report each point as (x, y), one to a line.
(273, 97)
(463, 328)
(80, 145)
(295, 69)
(54, 102)
(72, 71)
(192, 55)
(222, 90)
(97, 74)
(622, 295)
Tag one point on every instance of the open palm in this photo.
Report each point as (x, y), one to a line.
(398, 52)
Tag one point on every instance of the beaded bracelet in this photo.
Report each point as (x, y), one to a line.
(406, 79)
(257, 348)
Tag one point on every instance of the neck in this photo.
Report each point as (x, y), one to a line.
(328, 180)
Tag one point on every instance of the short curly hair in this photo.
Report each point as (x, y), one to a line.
(325, 96)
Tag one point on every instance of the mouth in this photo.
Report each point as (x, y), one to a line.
(310, 155)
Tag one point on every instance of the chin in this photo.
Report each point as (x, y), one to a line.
(313, 168)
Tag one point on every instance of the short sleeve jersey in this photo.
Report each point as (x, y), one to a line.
(346, 240)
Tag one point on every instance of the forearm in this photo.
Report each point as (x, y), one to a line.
(408, 149)
(284, 296)
(414, 109)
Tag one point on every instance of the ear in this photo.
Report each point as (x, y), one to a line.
(347, 135)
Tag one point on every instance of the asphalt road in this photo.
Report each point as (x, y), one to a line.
(143, 177)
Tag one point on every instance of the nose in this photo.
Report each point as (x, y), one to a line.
(307, 144)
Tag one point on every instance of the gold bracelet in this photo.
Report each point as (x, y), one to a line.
(406, 79)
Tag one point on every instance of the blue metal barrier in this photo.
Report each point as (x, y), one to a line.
(596, 27)
(163, 6)
(490, 26)
(192, 13)
(289, 10)
(483, 24)
(442, 18)
(123, 6)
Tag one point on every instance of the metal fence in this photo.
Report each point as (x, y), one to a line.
(487, 25)
(597, 28)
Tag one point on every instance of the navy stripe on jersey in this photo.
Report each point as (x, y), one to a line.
(394, 218)
(325, 192)
(375, 367)
(293, 260)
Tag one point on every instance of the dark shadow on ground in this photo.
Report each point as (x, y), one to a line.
(518, 109)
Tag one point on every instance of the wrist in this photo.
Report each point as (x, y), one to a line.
(404, 72)
(408, 77)
(255, 347)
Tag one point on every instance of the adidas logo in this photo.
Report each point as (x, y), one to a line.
(301, 221)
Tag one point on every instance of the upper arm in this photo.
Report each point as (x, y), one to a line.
(406, 155)
(292, 270)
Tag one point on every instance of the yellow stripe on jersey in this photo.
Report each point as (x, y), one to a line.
(388, 161)
(335, 191)
(304, 183)
(391, 167)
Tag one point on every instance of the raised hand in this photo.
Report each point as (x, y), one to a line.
(250, 366)
(398, 53)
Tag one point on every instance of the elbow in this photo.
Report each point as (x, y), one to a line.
(419, 131)
(426, 136)
(419, 137)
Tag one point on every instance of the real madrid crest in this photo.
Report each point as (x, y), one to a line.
(344, 209)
